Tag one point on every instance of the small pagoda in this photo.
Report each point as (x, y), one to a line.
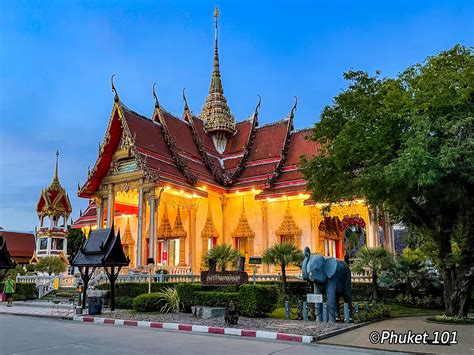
(54, 209)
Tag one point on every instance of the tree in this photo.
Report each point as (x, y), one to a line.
(225, 256)
(75, 238)
(51, 265)
(283, 254)
(406, 145)
(371, 262)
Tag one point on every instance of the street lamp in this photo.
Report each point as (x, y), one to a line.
(79, 289)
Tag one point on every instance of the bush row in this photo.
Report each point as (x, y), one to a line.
(375, 311)
(134, 289)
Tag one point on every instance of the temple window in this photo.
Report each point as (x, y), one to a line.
(289, 232)
(43, 243)
(243, 235)
(57, 244)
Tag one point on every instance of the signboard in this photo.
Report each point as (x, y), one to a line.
(223, 278)
(314, 298)
(255, 260)
(56, 283)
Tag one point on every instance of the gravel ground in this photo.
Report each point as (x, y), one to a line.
(269, 324)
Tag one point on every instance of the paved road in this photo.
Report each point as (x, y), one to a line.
(360, 336)
(28, 335)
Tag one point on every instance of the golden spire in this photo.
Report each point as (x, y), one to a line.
(164, 230)
(55, 184)
(127, 238)
(243, 229)
(178, 228)
(215, 112)
(209, 230)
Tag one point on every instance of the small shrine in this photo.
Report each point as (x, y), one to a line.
(54, 209)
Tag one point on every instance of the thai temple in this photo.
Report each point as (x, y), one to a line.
(176, 187)
(53, 209)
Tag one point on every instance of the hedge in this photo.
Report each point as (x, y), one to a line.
(134, 289)
(25, 291)
(215, 298)
(257, 300)
(124, 302)
(148, 302)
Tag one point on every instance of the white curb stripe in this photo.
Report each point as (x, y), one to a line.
(173, 326)
(143, 324)
(119, 322)
(266, 335)
(201, 328)
(232, 331)
(307, 339)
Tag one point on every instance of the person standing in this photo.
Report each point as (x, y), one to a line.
(9, 290)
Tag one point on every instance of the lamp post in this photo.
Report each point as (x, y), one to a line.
(79, 289)
(150, 262)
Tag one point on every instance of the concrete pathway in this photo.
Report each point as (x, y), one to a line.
(360, 337)
(50, 311)
(26, 335)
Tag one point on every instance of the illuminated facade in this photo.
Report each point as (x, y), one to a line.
(179, 186)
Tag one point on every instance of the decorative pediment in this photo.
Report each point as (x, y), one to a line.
(243, 229)
(127, 238)
(288, 227)
(164, 230)
(209, 230)
(178, 228)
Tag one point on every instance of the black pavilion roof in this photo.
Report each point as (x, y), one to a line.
(5, 260)
(101, 248)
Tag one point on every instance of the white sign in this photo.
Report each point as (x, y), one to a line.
(314, 298)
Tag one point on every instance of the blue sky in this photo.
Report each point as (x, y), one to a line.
(56, 59)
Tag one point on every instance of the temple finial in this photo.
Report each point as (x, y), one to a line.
(114, 90)
(186, 107)
(56, 170)
(292, 113)
(157, 104)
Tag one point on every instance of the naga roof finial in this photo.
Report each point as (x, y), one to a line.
(114, 90)
(292, 113)
(186, 107)
(157, 104)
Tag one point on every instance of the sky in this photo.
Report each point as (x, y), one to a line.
(57, 57)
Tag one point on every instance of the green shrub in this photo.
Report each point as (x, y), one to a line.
(215, 298)
(451, 319)
(171, 297)
(149, 302)
(375, 311)
(186, 292)
(26, 290)
(124, 302)
(257, 300)
(428, 302)
(134, 289)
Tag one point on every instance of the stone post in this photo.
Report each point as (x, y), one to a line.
(100, 212)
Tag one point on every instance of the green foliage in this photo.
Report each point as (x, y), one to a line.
(124, 302)
(371, 261)
(171, 297)
(426, 302)
(225, 256)
(215, 298)
(26, 291)
(376, 311)
(451, 320)
(187, 292)
(149, 302)
(406, 145)
(282, 255)
(134, 289)
(51, 265)
(75, 238)
(257, 300)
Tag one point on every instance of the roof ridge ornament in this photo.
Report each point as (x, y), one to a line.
(186, 107)
(157, 104)
(292, 113)
(114, 90)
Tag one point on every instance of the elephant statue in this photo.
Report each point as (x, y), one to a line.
(328, 275)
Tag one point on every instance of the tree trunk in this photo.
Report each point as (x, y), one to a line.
(375, 289)
(283, 275)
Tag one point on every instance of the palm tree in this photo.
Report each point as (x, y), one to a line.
(224, 255)
(283, 255)
(371, 261)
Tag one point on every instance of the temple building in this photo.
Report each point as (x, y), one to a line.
(53, 209)
(177, 186)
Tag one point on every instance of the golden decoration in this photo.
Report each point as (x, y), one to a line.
(178, 228)
(288, 228)
(165, 230)
(209, 230)
(243, 229)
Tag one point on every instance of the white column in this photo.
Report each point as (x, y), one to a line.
(48, 249)
(65, 246)
(373, 229)
(100, 213)
(151, 241)
(140, 226)
(110, 206)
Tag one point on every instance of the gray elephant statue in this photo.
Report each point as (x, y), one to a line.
(328, 275)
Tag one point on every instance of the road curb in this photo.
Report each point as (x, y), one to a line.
(198, 328)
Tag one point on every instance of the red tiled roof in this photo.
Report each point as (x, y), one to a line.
(267, 146)
(21, 245)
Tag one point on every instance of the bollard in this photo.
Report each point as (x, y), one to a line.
(356, 308)
(287, 310)
(366, 305)
(305, 311)
(347, 313)
(319, 312)
(325, 312)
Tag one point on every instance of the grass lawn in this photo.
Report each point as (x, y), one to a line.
(396, 311)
